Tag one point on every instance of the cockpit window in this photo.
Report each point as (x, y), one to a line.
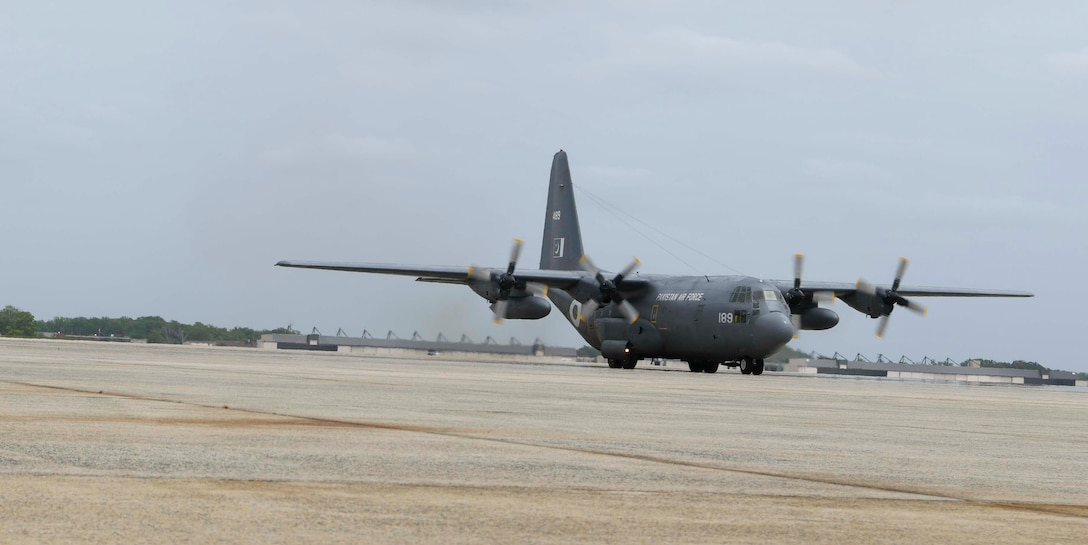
(742, 294)
(769, 295)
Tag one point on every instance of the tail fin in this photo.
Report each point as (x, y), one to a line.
(562, 245)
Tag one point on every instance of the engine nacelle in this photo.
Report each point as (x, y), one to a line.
(621, 339)
(526, 308)
(873, 305)
(616, 350)
(816, 318)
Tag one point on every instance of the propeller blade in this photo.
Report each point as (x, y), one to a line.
(514, 253)
(824, 296)
(883, 325)
(795, 319)
(478, 273)
(917, 308)
(798, 265)
(588, 266)
(899, 273)
(588, 309)
(866, 287)
(608, 290)
(629, 311)
(537, 289)
(500, 311)
(629, 269)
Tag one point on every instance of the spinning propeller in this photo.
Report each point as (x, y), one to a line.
(796, 296)
(608, 293)
(507, 282)
(891, 297)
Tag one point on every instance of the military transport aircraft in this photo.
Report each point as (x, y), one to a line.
(704, 320)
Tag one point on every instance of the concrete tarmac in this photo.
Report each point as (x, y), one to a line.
(126, 443)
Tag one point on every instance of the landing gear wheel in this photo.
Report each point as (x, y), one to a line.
(615, 364)
(746, 365)
(630, 364)
(696, 366)
(710, 367)
(758, 369)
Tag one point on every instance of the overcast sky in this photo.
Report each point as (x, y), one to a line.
(158, 158)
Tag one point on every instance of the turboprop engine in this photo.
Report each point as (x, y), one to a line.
(510, 298)
(816, 318)
(524, 308)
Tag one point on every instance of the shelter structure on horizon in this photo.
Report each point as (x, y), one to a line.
(392, 346)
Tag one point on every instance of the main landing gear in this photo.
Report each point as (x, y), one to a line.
(628, 363)
(703, 366)
(748, 366)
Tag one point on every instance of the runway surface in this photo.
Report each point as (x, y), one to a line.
(120, 443)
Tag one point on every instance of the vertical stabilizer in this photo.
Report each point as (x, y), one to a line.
(562, 245)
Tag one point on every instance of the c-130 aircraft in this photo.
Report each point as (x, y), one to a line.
(706, 321)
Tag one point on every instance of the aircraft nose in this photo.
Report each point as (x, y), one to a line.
(774, 330)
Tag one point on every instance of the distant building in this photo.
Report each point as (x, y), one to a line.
(971, 373)
(391, 346)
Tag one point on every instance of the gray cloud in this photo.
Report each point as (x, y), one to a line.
(339, 147)
(678, 46)
(1071, 62)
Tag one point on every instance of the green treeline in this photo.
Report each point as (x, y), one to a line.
(1016, 364)
(155, 329)
(17, 323)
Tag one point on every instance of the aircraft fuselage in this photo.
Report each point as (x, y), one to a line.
(716, 318)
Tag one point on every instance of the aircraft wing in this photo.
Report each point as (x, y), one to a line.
(448, 275)
(843, 289)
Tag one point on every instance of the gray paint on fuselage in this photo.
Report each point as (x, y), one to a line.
(688, 320)
(697, 318)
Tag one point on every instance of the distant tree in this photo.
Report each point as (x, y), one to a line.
(588, 352)
(241, 334)
(17, 323)
(155, 329)
(1015, 364)
(785, 354)
(174, 333)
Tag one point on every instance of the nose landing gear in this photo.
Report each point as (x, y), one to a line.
(750, 366)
